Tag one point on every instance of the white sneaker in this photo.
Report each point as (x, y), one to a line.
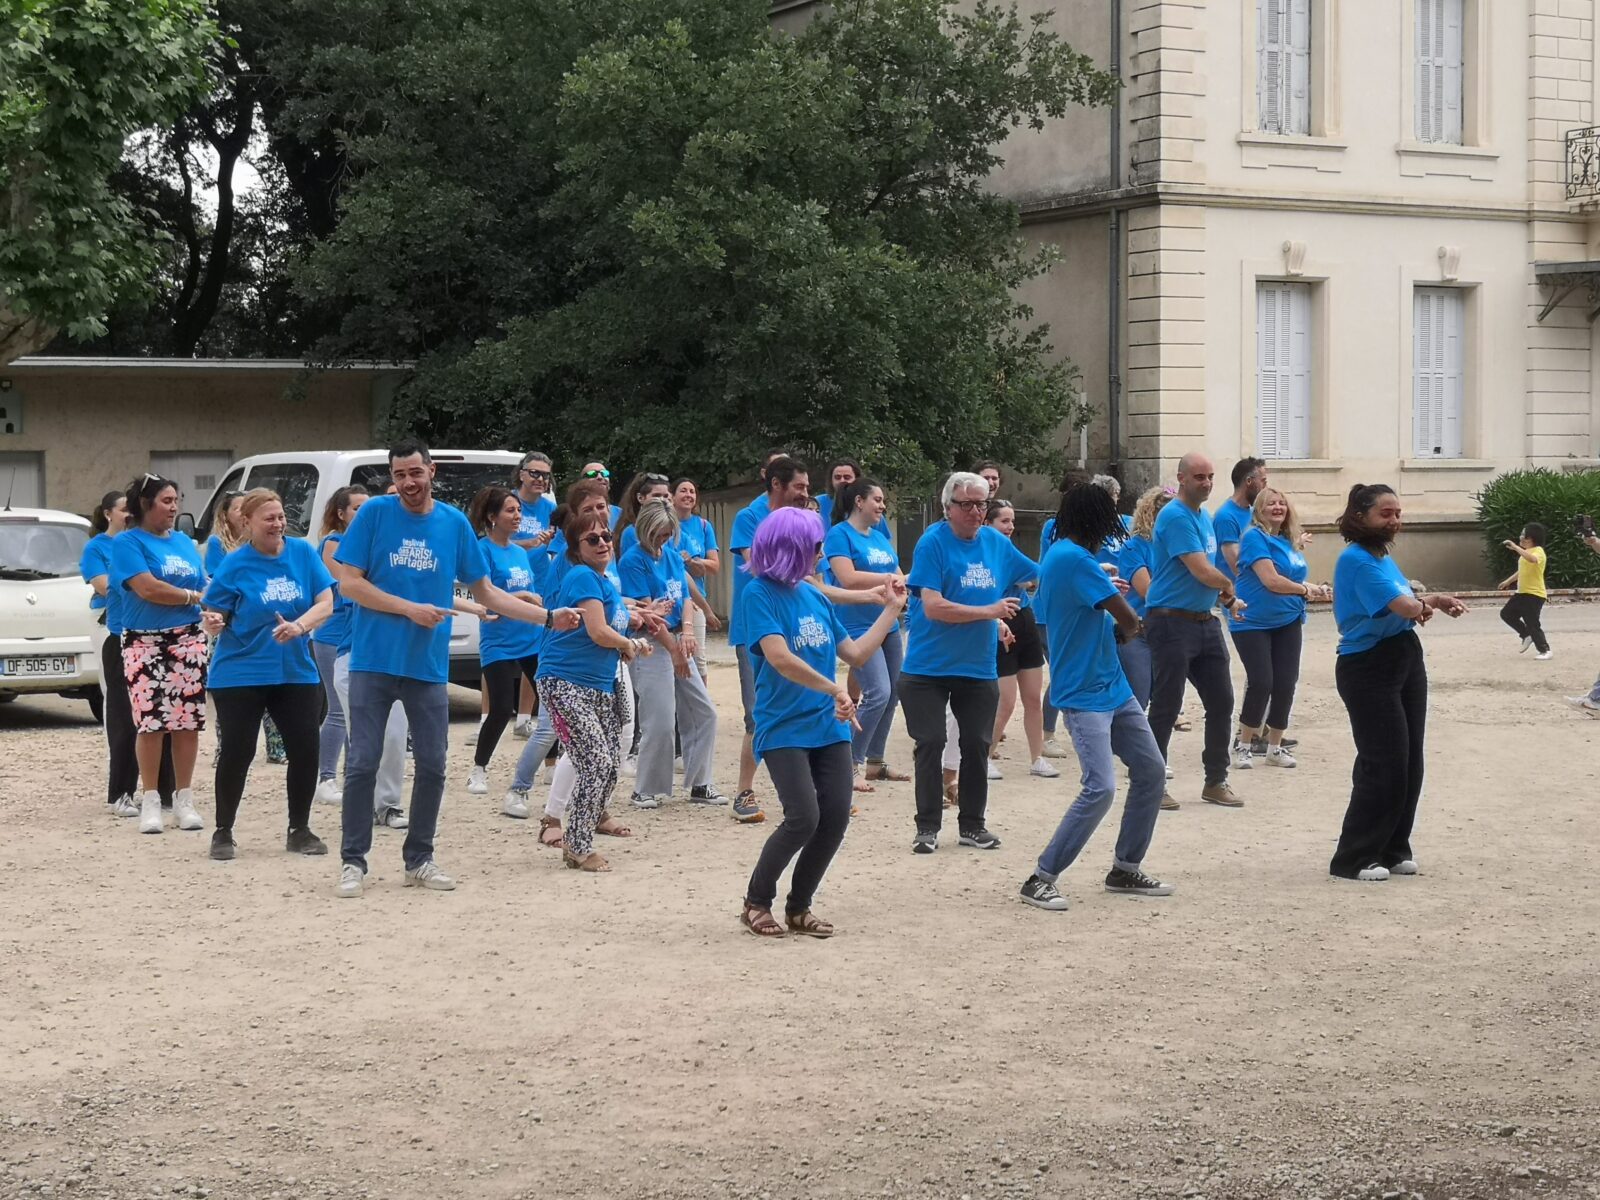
(429, 876)
(1584, 703)
(183, 809)
(515, 804)
(1373, 874)
(1043, 768)
(630, 765)
(1054, 749)
(1169, 771)
(994, 771)
(1526, 642)
(1277, 756)
(478, 781)
(150, 813)
(350, 877)
(1545, 657)
(1243, 759)
(126, 806)
(392, 818)
(329, 792)
(523, 728)
(1404, 867)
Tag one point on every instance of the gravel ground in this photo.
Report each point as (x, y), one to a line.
(171, 1026)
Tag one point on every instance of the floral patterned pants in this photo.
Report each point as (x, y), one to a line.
(589, 724)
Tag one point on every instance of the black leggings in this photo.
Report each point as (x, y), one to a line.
(500, 685)
(1271, 659)
(1385, 691)
(1522, 614)
(122, 778)
(297, 711)
(814, 788)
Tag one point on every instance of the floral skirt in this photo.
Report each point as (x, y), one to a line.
(166, 672)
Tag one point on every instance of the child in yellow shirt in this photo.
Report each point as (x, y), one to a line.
(1522, 610)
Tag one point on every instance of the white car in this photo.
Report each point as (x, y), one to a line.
(49, 638)
(307, 479)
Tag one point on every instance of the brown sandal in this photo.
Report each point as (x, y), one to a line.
(760, 922)
(858, 782)
(809, 924)
(611, 827)
(882, 770)
(591, 861)
(547, 823)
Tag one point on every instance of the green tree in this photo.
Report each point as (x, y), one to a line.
(663, 235)
(77, 77)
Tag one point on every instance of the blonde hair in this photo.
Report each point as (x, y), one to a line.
(1291, 522)
(230, 540)
(656, 523)
(257, 498)
(1144, 512)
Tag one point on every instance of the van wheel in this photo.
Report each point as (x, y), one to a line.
(97, 704)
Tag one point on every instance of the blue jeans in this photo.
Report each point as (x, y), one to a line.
(880, 696)
(747, 687)
(535, 752)
(333, 724)
(1051, 712)
(1097, 736)
(1134, 654)
(427, 707)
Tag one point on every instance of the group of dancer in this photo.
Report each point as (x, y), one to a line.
(599, 608)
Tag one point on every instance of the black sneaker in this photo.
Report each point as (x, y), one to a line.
(303, 841)
(222, 845)
(1041, 893)
(706, 795)
(1135, 883)
(926, 841)
(980, 839)
(1258, 746)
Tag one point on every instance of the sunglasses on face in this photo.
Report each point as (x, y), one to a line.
(537, 474)
(597, 539)
(602, 473)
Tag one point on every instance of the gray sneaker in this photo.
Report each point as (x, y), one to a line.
(392, 818)
(926, 841)
(429, 876)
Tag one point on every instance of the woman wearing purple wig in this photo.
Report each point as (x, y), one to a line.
(802, 713)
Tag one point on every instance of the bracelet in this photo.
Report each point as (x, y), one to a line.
(549, 617)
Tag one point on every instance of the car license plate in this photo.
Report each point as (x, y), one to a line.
(463, 593)
(40, 664)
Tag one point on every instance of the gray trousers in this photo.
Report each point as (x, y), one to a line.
(664, 700)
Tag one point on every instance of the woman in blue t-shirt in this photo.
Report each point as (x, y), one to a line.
(160, 576)
(1384, 686)
(261, 606)
(507, 650)
(1272, 583)
(578, 682)
(329, 636)
(802, 713)
(228, 531)
(696, 544)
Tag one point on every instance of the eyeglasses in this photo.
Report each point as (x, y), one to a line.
(601, 473)
(655, 479)
(536, 474)
(597, 539)
(973, 506)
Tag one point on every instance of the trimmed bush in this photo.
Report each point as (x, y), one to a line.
(1554, 499)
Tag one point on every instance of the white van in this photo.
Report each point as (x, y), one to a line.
(307, 479)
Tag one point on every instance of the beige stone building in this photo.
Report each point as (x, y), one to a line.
(72, 429)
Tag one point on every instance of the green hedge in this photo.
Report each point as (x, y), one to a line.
(1552, 498)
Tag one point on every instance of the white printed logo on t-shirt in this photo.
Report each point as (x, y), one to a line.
(518, 580)
(415, 554)
(812, 634)
(977, 576)
(879, 558)
(176, 564)
(281, 589)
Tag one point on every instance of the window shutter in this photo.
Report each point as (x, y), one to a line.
(1283, 370)
(1269, 382)
(1426, 125)
(1438, 372)
(1453, 59)
(1299, 116)
(1271, 64)
(1440, 48)
(1296, 419)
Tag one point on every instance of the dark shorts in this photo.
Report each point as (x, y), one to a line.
(1027, 652)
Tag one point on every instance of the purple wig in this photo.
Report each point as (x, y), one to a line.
(785, 547)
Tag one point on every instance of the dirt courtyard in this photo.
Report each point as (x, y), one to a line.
(172, 1026)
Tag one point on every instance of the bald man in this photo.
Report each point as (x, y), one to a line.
(1181, 626)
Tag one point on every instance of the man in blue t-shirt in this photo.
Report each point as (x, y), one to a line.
(534, 480)
(1233, 515)
(1182, 631)
(398, 565)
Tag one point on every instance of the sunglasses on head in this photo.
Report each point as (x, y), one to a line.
(655, 479)
(596, 539)
(593, 473)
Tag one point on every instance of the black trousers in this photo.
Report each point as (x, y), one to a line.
(122, 777)
(297, 711)
(1385, 690)
(1194, 651)
(500, 685)
(1522, 614)
(814, 788)
(1271, 659)
(973, 703)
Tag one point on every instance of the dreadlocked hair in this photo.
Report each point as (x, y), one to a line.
(1088, 516)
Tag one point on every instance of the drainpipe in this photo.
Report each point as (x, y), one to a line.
(1114, 269)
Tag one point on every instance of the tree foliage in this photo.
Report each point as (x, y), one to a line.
(77, 77)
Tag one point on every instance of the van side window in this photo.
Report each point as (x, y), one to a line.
(208, 519)
(296, 484)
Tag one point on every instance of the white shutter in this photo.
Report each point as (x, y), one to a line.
(1440, 49)
(1438, 372)
(1283, 370)
(1271, 64)
(1299, 67)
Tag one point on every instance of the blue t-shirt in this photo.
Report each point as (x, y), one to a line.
(1047, 536)
(744, 532)
(1264, 609)
(536, 516)
(626, 542)
(253, 590)
(697, 537)
(1132, 555)
(571, 654)
(646, 578)
(870, 551)
(1228, 523)
(1085, 672)
(788, 715)
(1364, 584)
(510, 570)
(825, 511)
(974, 573)
(335, 631)
(215, 553)
(417, 558)
(1180, 530)
(173, 559)
(96, 560)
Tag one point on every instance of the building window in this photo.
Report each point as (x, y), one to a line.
(1439, 70)
(1283, 370)
(1283, 66)
(1438, 372)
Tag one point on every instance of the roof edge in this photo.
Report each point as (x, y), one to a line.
(60, 362)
